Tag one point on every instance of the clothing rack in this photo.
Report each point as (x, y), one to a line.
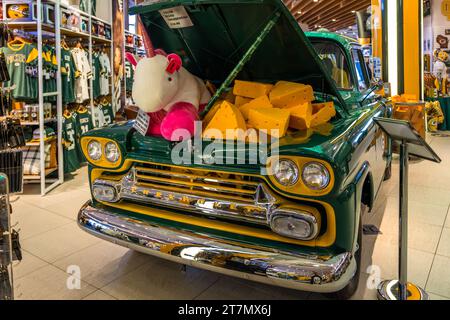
(51, 179)
(6, 248)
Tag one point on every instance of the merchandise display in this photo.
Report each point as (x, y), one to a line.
(231, 150)
(435, 115)
(261, 220)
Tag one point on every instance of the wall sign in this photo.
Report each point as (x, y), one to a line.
(176, 18)
(445, 8)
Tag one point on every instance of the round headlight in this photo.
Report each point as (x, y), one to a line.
(94, 150)
(112, 152)
(316, 176)
(286, 173)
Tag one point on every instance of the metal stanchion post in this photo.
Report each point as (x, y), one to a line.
(410, 143)
(403, 222)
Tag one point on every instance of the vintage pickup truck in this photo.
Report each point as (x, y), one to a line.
(299, 227)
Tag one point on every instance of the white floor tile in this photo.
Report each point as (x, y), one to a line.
(99, 296)
(384, 256)
(444, 243)
(228, 288)
(29, 264)
(59, 243)
(103, 263)
(33, 221)
(50, 283)
(160, 279)
(439, 280)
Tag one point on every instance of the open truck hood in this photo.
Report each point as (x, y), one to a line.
(220, 32)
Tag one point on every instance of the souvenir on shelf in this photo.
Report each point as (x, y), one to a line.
(49, 13)
(20, 11)
(70, 20)
(101, 30)
(84, 24)
(94, 27)
(108, 32)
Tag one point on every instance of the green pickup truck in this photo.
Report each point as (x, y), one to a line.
(298, 227)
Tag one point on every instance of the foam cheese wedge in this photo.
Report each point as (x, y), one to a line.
(289, 94)
(226, 123)
(251, 90)
(322, 113)
(210, 115)
(270, 119)
(262, 102)
(240, 101)
(301, 116)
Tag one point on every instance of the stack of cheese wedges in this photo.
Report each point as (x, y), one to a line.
(272, 108)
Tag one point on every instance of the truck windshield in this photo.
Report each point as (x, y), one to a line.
(335, 63)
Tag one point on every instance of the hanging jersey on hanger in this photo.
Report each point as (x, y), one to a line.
(98, 116)
(96, 69)
(84, 74)
(71, 160)
(67, 77)
(105, 75)
(107, 113)
(84, 6)
(19, 59)
(83, 121)
(129, 76)
(50, 67)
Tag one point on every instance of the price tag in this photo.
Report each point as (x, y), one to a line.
(176, 17)
(142, 123)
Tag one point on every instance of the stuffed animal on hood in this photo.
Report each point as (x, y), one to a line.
(170, 95)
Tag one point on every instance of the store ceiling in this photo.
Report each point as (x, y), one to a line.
(330, 14)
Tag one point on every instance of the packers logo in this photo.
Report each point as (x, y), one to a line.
(445, 8)
(18, 11)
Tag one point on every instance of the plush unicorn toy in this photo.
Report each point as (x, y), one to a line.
(170, 95)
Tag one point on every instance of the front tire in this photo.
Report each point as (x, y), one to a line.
(350, 290)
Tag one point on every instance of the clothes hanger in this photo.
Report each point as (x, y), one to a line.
(64, 44)
(82, 109)
(67, 112)
(17, 41)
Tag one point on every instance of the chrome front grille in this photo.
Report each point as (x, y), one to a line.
(197, 182)
(230, 196)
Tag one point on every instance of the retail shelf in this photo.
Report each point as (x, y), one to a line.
(30, 25)
(100, 39)
(38, 143)
(38, 177)
(74, 34)
(25, 123)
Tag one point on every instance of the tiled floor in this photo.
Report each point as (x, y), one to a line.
(53, 244)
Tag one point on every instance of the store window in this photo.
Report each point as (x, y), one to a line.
(335, 62)
(361, 70)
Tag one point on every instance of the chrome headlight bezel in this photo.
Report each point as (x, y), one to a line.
(290, 217)
(94, 150)
(292, 166)
(112, 152)
(321, 171)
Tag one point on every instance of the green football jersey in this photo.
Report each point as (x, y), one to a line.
(19, 59)
(108, 113)
(83, 121)
(67, 77)
(96, 69)
(71, 159)
(50, 66)
(129, 76)
(84, 6)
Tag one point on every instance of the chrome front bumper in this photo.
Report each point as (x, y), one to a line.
(285, 269)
